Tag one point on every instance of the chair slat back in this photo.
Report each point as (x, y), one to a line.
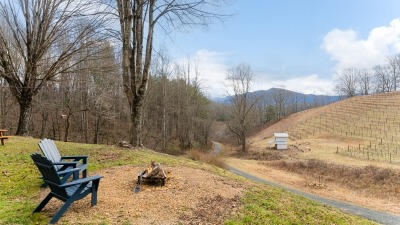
(50, 151)
(49, 173)
(54, 149)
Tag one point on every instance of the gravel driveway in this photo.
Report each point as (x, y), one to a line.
(374, 215)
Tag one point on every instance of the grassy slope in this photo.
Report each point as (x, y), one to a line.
(20, 186)
(364, 130)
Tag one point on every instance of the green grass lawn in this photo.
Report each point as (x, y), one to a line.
(267, 205)
(20, 186)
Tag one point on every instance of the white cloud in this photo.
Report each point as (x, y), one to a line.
(348, 50)
(213, 67)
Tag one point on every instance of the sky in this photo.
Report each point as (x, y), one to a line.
(299, 45)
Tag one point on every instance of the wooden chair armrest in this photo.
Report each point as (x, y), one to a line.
(66, 163)
(81, 181)
(76, 158)
(66, 174)
(62, 172)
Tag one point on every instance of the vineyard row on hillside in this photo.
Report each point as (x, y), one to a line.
(373, 120)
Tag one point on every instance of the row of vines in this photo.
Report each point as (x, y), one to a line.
(372, 120)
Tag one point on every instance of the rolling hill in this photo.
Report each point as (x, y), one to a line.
(361, 127)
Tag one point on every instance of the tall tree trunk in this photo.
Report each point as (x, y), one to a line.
(136, 118)
(97, 130)
(54, 128)
(2, 109)
(84, 126)
(67, 125)
(25, 105)
(244, 142)
(164, 130)
(45, 116)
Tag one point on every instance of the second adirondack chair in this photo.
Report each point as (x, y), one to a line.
(61, 163)
(67, 192)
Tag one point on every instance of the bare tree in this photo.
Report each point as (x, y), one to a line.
(346, 85)
(5, 103)
(175, 115)
(163, 70)
(393, 67)
(382, 77)
(105, 80)
(138, 20)
(364, 82)
(239, 80)
(280, 98)
(294, 99)
(30, 50)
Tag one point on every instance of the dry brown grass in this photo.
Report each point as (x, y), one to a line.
(258, 155)
(212, 159)
(369, 180)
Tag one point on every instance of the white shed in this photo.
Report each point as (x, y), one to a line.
(281, 140)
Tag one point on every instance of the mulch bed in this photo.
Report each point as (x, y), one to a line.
(189, 196)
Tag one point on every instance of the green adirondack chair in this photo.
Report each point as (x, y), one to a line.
(65, 191)
(61, 163)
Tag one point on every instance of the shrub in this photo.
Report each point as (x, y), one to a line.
(212, 159)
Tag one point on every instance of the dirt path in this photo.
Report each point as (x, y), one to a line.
(253, 171)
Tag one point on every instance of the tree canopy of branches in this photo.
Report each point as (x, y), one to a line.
(176, 113)
(380, 78)
(38, 39)
(347, 82)
(239, 80)
(138, 22)
(280, 99)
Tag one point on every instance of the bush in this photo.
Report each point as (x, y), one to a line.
(376, 181)
(212, 159)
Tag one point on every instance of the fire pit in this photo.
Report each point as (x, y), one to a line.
(154, 174)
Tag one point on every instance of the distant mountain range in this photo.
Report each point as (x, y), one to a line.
(270, 93)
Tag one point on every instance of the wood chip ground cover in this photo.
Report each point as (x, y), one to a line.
(186, 198)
